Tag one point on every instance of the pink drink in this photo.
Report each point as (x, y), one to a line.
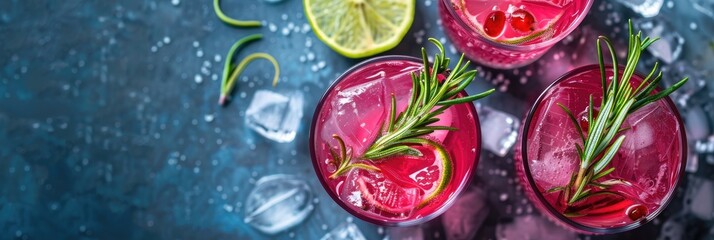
(355, 107)
(651, 157)
(529, 27)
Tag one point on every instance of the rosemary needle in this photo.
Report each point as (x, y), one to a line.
(231, 74)
(232, 21)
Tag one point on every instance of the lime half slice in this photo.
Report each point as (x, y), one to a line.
(360, 28)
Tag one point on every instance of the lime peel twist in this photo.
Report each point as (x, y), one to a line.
(230, 74)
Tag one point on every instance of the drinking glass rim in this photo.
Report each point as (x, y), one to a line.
(599, 230)
(549, 42)
(390, 223)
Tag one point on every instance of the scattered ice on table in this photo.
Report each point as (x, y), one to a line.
(344, 231)
(646, 8)
(705, 7)
(700, 198)
(175, 2)
(465, 217)
(669, 46)
(500, 129)
(277, 203)
(198, 78)
(272, 27)
(673, 228)
(704, 146)
(167, 40)
(405, 233)
(274, 115)
(532, 227)
(696, 123)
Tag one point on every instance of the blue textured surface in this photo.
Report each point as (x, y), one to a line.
(105, 132)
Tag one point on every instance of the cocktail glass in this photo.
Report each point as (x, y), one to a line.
(355, 107)
(509, 33)
(651, 158)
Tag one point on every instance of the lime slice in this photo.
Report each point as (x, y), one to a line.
(444, 168)
(360, 28)
(432, 177)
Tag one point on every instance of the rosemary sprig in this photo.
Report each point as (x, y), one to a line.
(620, 99)
(429, 98)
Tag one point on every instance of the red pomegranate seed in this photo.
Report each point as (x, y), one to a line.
(636, 212)
(522, 20)
(494, 23)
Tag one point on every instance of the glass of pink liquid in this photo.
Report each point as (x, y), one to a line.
(652, 157)
(509, 33)
(355, 107)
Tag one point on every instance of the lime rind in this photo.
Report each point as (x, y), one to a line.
(360, 28)
(446, 172)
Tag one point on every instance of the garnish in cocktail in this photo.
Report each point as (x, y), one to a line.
(509, 33)
(603, 148)
(394, 137)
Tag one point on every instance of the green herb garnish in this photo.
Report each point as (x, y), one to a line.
(230, 73)
(602, 142)
(429, 98)
(231, 21)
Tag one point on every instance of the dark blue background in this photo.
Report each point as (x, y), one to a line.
(106, 134)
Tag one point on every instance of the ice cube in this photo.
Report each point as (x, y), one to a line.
(704, 146)
(465, 217)
(705, 7)
(344, 231)
(696, 123)
(673, 228)
(405, 233)
(532, 227)
(669, 46)
(646, 8)
(700, 198)
(358, 112)
(500, 129)
(277, 203)
(274, 115)
(374, 193)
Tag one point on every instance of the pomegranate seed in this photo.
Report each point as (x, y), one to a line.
(584, 124)
(522, 20)
(636, 212)
(494, 23)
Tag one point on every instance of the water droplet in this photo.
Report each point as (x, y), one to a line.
(167, 40)
(175, 2)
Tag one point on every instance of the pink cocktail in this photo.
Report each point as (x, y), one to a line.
(509, 33)
(651, 158)
(406, 190)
